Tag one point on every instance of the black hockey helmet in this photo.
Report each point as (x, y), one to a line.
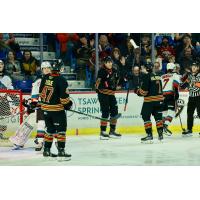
(148, 66)
(57, 64)
(107, 59)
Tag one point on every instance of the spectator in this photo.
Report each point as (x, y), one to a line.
(165, 50)
(134, 79)
(132, 56)
(119, 63)
(5, 81)
(12, 67)
(186, 59)
(129, 55)
(104, 47)
(118, 40)
(7, 42)
(145, 47)
(29, 65)
(65, 43)
(83, 53)
(182, 41)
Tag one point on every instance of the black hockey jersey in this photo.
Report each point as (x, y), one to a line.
(53, 92)
(150, 87)
(107, 81)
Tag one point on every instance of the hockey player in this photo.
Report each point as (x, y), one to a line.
(151, 88)
(170, 86)
(39, 140)
(193, 81)
(5, 83)
(106, 84)
(54, 101)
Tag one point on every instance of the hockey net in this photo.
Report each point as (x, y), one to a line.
(11, 112)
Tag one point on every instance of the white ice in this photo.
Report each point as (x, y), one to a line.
(89, 150)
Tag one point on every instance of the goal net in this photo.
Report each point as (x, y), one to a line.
(11, 111)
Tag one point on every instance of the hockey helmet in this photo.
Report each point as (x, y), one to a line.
(107, 59)
(170, 66)
(57, 64)
(148, 66)
(45, 64)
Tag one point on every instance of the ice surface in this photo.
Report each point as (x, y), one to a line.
(89, 150)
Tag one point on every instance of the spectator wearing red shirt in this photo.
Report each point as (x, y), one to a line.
(165, 50)
(63, 40)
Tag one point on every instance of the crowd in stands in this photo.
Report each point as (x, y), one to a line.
(77, 50)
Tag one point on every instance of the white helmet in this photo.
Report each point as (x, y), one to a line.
(171, 66)
(45, 64)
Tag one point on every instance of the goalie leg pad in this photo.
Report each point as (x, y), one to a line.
(22, 134)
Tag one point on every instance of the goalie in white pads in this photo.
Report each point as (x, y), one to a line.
(23, 132)
(5, 100)
(170, 84)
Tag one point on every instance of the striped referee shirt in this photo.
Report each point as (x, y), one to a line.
(194, 90)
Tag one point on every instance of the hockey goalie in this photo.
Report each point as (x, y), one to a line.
(22, 134)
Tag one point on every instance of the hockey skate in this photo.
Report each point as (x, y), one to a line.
(62, 156)
(147, 140)
(104, 135)
(39, 144)
(113, 134)
(17, 147)
(160, 136)
(47, 153)
(187, 133)
(166, 131)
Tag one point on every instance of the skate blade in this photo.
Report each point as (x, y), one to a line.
(167, 134)
(161, 141)
(147, 142)
(61, 159)
(17, 148)
(188, 135)
(104, 138)
(114, 137)
(50, 158)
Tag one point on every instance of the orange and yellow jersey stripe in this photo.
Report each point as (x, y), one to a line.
(47, 107)
(106, 91)
(153, 98)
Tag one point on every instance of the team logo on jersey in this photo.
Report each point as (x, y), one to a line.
(180, 102)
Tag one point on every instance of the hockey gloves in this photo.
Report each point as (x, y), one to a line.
(68, 105)
(32, 107)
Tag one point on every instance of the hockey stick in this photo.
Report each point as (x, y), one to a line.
(126, 102)
(81, 113)
(95, 117)
(183, 129)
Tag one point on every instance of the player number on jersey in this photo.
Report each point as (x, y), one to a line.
(46, 93)
(166, 80)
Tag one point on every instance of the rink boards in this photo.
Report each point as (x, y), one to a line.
(130, 122)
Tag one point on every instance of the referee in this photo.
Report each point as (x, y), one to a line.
(193, 80)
